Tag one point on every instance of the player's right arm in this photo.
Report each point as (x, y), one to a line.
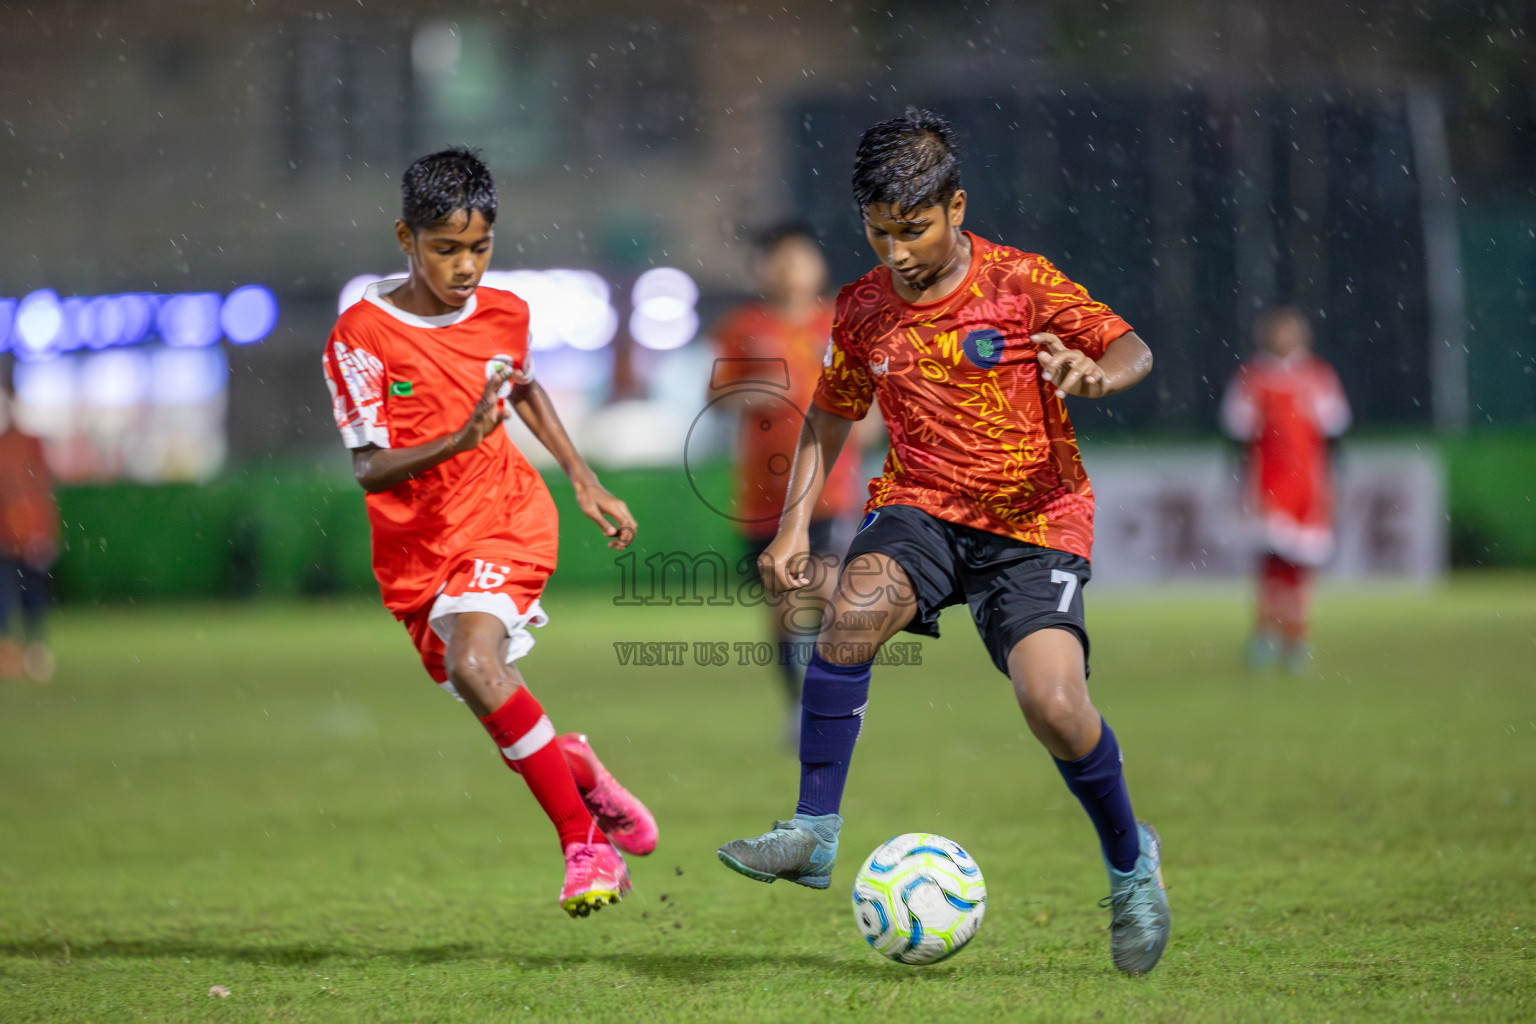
(378, 469)
(783, 563)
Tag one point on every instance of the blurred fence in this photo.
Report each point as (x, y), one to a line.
(281, 534)
(287, 533)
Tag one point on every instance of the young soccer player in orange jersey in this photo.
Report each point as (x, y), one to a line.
(969, 347)
(1286, 405)
(769, 360)
(422, 373)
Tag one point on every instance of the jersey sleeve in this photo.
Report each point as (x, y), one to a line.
(354, 372)
(730, 339)
(1239, 412)
(1329, 405)
(844, 387)
(738, 360)
(1067, 311)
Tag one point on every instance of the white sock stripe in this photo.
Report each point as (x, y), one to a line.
(531, 741)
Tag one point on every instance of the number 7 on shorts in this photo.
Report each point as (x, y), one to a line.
(1069, 587)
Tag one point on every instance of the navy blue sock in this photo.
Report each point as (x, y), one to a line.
(832, 704)
(1099, 785)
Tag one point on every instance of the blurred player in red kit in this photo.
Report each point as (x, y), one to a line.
(769, 357)
(422, 372)
(29, 542)
(970, 348)
(1286, 405)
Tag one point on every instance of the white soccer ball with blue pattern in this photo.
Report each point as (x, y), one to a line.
(919, 898)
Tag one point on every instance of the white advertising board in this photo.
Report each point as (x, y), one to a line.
(1175, 513)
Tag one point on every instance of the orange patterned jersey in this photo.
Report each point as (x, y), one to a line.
(977, 438)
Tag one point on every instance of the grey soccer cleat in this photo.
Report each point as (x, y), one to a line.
(1297, 659)
(802, 851)
(1262, 652)
(1138, 932)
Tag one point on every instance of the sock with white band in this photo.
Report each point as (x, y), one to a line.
(523, 733)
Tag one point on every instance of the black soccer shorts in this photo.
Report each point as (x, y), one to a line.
(1013, 588)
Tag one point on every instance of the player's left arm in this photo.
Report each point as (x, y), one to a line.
(1125, 363)
(612, 516)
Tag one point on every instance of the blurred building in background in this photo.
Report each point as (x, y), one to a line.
(1189, 162)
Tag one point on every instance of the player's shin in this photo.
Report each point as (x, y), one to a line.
(832, 707)
(1099, 785)
(524, 735)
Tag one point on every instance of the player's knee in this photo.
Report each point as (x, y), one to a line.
(851, 635)
(846, 650)
(471, 668)
(1056, 711)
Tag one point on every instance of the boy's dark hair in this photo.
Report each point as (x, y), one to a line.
(911, 162)
(768, 239)
(438, 185)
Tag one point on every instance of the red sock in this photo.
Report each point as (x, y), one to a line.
(1299, 610)
(581, 771)
(523, 732)
(1285, 598)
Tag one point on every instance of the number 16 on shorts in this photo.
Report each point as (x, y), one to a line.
(488, 577)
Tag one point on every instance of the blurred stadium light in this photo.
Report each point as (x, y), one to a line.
(575, 307)
(130, 386)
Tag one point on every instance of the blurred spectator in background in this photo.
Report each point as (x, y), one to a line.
(29, 542)
(768, 354)
(1286, 406)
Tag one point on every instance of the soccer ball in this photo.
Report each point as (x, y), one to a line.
(919, 898)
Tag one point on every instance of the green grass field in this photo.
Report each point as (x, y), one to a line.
(275, 800)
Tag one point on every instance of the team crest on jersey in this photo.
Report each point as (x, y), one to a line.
(984, 348)
(879, 363)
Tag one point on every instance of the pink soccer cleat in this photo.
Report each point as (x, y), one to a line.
(625, 819)
(595, 876)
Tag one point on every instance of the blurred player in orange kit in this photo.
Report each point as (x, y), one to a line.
(1286, 405)
(422, 373)
(769, 354)
(29, 542)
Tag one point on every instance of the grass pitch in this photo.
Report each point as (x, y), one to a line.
(273, 799)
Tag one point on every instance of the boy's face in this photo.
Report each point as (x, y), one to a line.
(920, 246)
(792, 269)
(1286, 336)
(448, 258)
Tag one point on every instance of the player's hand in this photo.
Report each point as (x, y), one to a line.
(522, 376)
(488, 414)
(1071, 371)
(608, 512)
(785, 563)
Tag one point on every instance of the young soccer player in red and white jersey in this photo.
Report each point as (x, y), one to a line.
(1286, 406)
(969, 347)
(422, 373)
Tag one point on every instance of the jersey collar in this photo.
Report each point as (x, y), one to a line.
(375, 293)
